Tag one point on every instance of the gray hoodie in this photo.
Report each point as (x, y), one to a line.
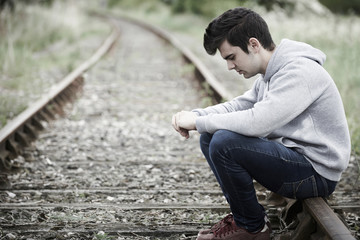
(296, 103)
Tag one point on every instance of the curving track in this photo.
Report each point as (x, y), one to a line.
(113, 168)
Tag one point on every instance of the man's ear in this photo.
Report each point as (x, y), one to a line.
(254, 45)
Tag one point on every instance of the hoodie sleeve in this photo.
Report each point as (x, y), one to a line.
(243, 102)
(289, 92)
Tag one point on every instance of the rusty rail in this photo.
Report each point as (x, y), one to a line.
(326, 219)
(19, 132)
(328, 225)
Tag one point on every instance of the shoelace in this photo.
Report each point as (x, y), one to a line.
(226, 229)
(225, 220)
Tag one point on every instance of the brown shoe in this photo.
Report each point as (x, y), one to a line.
(230, 231)
(218, 225)
(228, 218)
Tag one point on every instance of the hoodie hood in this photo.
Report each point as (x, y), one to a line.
(288, 51)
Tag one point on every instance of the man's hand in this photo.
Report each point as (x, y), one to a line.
(183, 122)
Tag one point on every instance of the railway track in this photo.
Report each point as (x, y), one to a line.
(112, 167)
(19, 133)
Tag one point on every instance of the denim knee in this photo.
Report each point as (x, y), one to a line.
(217, 142)
(205, 139)
(221, 139)
(221, 142)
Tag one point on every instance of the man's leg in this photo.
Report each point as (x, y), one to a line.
(205, 140)
(236, 160)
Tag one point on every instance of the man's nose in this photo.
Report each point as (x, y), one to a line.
(230, 65)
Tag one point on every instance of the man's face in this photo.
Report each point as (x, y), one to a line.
(237, 59)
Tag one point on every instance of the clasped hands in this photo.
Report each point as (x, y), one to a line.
(183, 122)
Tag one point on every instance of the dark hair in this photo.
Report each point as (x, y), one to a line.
(237, 26)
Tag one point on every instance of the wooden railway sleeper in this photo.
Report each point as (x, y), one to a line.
(50, 115)
(30, 131)
(69, 95)
(71, 92)
(43, 116)
(57, 107)
(36, 123)
(22, 139)
(66, 95)
(5, 163)
(62, 98)
(79, 81)
(54, 107)
(11, 149)
(75, 87)
(77, 84)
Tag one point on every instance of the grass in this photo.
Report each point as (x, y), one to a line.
(336, 36)
(39, 45)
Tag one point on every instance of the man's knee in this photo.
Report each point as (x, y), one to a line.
(224, 141)
(220, 141)
(226, 137)
(205, 138)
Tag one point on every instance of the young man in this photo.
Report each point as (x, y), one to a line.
(288, 132)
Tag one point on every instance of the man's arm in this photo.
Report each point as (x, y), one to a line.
(183, 122)
(243, 102)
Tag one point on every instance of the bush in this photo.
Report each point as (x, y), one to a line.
(342, 7)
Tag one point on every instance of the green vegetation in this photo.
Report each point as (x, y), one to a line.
(39, 45)
(341, 6)
(336, 35)
(103, 236)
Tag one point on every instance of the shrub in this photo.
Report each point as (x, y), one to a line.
(342, 7)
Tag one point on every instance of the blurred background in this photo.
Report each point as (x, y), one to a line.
(41, 41)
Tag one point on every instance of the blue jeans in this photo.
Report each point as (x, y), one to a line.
(236, 160)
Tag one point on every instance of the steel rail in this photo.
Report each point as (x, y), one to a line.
(22, 129)
(327, 220)
(320, 211)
